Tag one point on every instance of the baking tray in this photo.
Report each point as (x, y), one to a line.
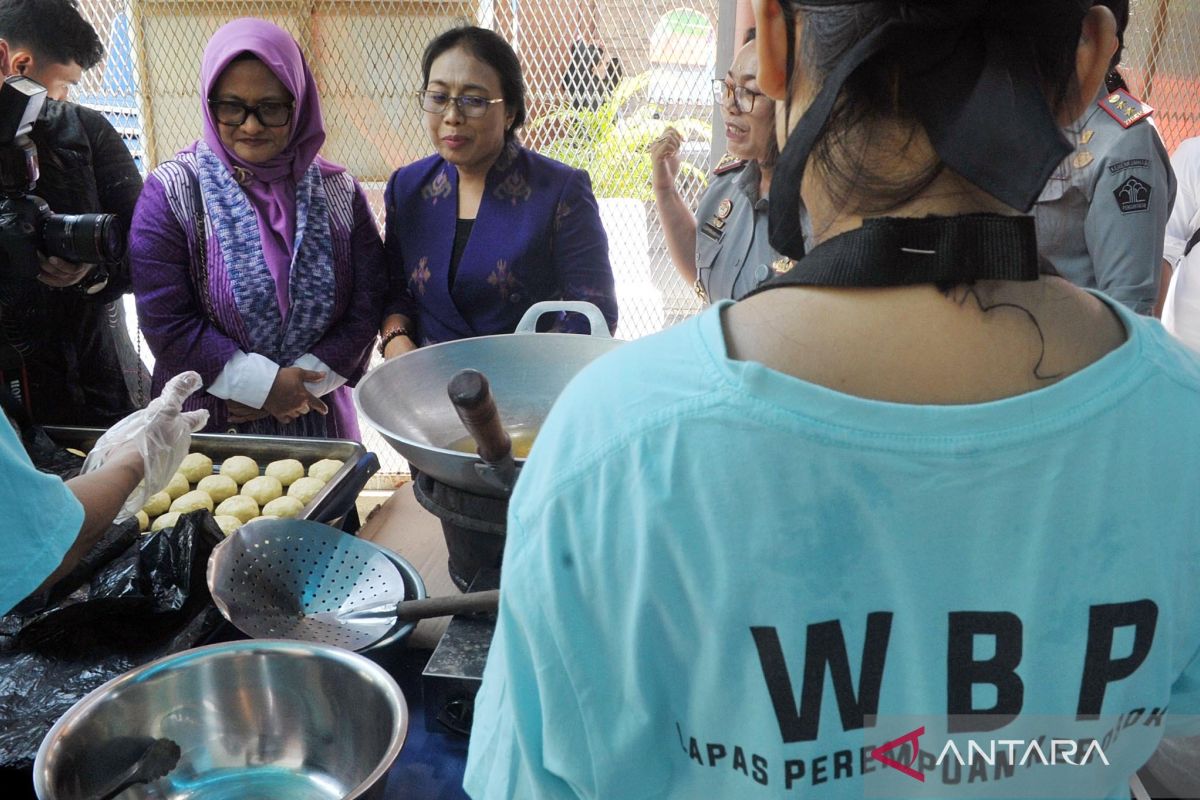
(330, 505)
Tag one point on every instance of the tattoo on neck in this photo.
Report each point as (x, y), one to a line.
(961, 293)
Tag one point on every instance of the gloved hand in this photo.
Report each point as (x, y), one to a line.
(160, 432)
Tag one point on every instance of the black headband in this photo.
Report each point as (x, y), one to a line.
(972, 83)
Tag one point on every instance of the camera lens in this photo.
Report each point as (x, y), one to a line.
(83, 238)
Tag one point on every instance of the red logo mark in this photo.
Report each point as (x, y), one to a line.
(913, 737)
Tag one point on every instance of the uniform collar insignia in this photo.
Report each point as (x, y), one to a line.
(1126, 109)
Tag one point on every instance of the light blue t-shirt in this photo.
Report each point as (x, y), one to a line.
(717, 574)
(39, 521)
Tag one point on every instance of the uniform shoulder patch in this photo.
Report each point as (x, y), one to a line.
(1126, 109)
(1133, 195)
(728, 164)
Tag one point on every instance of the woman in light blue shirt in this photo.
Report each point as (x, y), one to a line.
(910, 493)
(47, 525)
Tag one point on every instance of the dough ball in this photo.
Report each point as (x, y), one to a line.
(240, 468)
(227, 523)
(284, 507)
(143, 521)
(195, 467)
(325, 469)
(287, 471)
(218, 487)
(157, 504)
(167, 520)
(240, 506)
(263, 489)
(306, 489)
(192, 501)
(178, 486)
(269, 516)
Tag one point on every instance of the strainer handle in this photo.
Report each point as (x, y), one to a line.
(529, 320)
(470, 603)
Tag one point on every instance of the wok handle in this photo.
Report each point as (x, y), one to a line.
(472, 398)
(470, 603)
(595, 316)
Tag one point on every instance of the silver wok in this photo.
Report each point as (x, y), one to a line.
(405, 398)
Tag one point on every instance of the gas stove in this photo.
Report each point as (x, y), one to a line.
(455, 670)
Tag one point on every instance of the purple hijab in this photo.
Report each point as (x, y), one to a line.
(272, 188)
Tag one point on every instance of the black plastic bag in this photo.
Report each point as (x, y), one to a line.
(121, 608)
(45, 454)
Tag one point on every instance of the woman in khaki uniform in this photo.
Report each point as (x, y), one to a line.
(723, 250)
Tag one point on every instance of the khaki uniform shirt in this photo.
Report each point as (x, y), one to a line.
(1101, 217)
(733, 255)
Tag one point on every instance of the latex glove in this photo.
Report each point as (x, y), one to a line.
(160, 432)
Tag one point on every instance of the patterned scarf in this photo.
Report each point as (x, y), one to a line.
(311, 284)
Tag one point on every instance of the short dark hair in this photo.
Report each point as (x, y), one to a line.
(54, 30)
(490, 48)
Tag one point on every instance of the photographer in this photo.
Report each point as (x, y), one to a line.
(64, 348)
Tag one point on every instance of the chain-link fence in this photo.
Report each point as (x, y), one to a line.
(1162, 64)
(604, 78)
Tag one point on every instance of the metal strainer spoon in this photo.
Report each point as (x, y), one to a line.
(295, 579)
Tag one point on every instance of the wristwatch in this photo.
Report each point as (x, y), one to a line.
(392, 334)
(94, 282)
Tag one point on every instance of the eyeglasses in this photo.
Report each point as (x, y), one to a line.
(468, 105)
(271, 114)
(743, 98)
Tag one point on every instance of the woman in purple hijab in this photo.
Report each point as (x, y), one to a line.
(256, 262)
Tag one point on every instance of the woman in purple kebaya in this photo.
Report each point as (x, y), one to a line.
(256, 262)
(484, 228)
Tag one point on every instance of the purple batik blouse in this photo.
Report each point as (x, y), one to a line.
(537, 237)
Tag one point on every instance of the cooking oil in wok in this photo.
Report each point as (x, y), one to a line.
(522, 441)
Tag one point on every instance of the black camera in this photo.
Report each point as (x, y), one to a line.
(27, 225)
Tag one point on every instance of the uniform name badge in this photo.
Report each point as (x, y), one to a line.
(723, 212)
(714, 226)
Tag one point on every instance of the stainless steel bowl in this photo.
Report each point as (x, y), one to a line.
(405, 398)
(264, 719)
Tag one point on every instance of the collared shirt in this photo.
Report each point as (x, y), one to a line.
(537, 236)
(1102, 214)
(1185, 216)
(733, 254)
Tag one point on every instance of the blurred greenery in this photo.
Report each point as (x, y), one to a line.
(692, 23)
(612, 142)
